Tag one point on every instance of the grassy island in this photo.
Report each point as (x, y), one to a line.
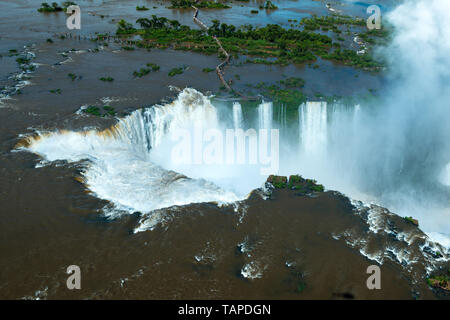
(271, 44)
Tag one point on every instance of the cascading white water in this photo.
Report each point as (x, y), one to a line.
(238, 119)
(132, 164)
(265, 115)
(395, 150)
(282, 120)
(313, 128)
(121, 167)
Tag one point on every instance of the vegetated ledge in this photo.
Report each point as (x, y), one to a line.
(54, 7)
(440, 282)
(295, 182)
(285, 46)
(187, 4)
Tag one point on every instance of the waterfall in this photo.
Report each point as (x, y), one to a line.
(282, 116)
(238, 119)
(313, 128)
(127, 162)
(265, 115)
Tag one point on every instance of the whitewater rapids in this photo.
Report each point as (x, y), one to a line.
(120, 167)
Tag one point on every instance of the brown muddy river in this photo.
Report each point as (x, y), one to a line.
(71, 194)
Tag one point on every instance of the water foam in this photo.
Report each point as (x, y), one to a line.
(120, 166)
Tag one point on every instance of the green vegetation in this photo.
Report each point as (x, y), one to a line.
(124, 27)
(206, 70)
(28, 68)
(143, 8)
(58, 91)
(279, 182)
(153, 66)
(109, 111)
(268, 6)
(293, 82)
(173, 72)
(127, 48)
(181, 4)
(94, 110)
(412, 220)
(271, 44)
(442, 282)
(254, 11)
(142, 72)
(22, 60)
(49, 40)
(301, 285)
(296, 182)
(55, 7)
(106, 79)
(290, 96)
(13, 52)
(72, 76)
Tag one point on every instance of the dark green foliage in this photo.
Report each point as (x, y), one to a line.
(142, 72)
(13, 52)
(143, 8)
(293, 82)
(254, 11)
(109, 111)
(206, 70)
(268, 6)
(282, 46)
(58, 91)
(22, 60)
(72, 76)
(94, 110)
(289, 97)
(106, 79)
(28, 68)
(442, 282)
(412, 220)
(124, 27)
(179, 4)
(54, 7)
(173, 72)
(279, 182)
(153, 66)
(296, 182)
(350, 57)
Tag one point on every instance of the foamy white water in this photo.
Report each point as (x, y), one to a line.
(120, 167)
(313, 124)
(238, 119)
(265, 114)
